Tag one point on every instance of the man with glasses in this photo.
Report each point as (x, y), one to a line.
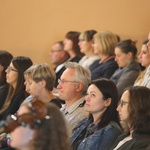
(72, 87)
(58, 57)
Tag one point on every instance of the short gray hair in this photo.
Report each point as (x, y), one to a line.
(82, 75)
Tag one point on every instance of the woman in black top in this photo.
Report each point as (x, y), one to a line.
(16, 92)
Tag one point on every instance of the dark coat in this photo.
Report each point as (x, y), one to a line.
(138, 142)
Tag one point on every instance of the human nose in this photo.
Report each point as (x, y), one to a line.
(6, 70)
(116, 59)
(25, 83)
(87, 97)
(118, 108)
(59, 85)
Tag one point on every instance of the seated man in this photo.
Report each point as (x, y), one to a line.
(58, 57)
(72, 88)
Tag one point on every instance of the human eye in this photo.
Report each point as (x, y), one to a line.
(29, 82)
(93, 95)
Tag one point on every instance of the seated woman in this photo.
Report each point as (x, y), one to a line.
(129, 68)
(104, 45)
(5, 59)
(86, 47)
(71, 46)
(134, 109)
(144, 57)
(100, 130)
(39, 81)
(15, 78)
(37, 126)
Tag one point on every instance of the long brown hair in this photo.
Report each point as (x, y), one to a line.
(74, 37)
(139, 109)
(52, 133)
(20, 63)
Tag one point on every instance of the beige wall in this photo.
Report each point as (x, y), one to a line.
(30, 27)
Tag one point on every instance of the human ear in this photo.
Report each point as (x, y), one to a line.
(108, 102)
(43, 83)
(79, 87)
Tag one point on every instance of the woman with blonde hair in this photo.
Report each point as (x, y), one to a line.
(144, 57)
(86, 47)
(104, 45)
(39, 81)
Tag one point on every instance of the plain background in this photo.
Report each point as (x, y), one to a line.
(30, 27)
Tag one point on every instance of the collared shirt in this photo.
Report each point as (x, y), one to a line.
(74, 114)
(59, 67)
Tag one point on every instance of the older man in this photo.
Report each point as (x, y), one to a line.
(72, 88)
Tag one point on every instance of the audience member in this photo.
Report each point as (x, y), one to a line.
(86, 47)
(15, 78)
(71, 46)
(129, 68)
(148, 44)
(39, 81)
(72, 88)
(102, 127)
(5, 59)
(36, 127)
(58, 57)
(118, 38)
(104, 45)
(134, 109)
(144, 57)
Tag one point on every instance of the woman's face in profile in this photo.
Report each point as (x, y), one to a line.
(11, 75)
(68, 44)
(123, 106)
(21, 136)
(144, 56)
(121, 58)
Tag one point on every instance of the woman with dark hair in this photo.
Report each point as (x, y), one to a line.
(102, 127)
(5, 59)
(134, 110)
(129, 68)
(71, 46)
(15, 78)
(39, 126)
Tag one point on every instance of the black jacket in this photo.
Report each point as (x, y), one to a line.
(138, 142)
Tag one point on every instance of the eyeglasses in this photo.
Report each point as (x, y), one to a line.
(53, 51)
(122, 103)
(9, 68)
(65, 81)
